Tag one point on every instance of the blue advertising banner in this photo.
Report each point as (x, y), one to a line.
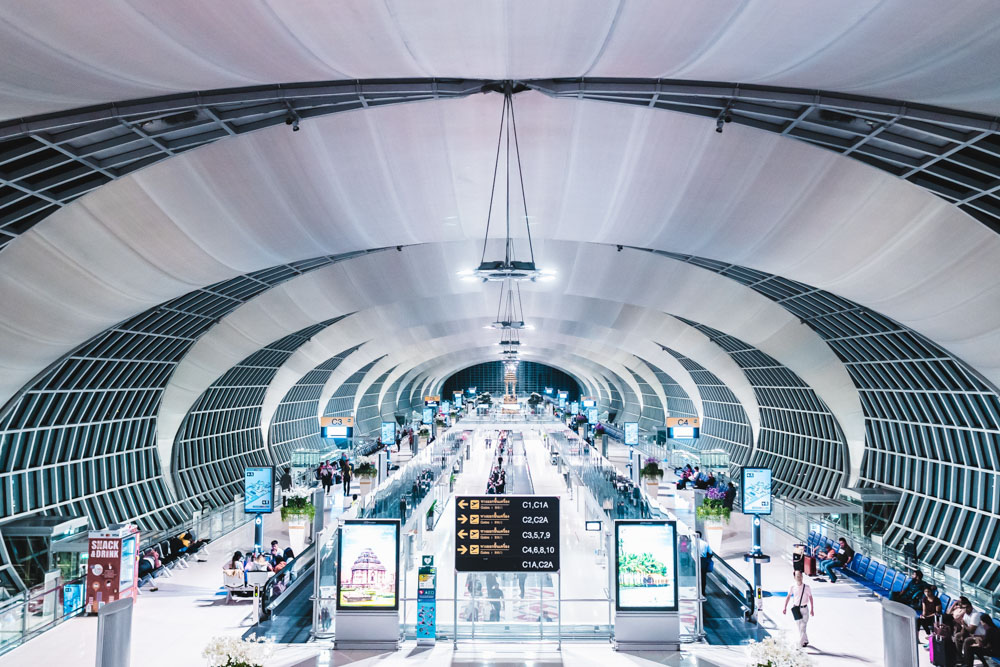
(426, 601)
(258, 490)
(756, 485)
(631, 433)
(388, 433)
(72, 598)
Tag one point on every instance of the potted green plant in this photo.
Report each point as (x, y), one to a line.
(365, 472)
(297, 511)
(652, 473)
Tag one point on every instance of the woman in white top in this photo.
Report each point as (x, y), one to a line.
(800, 596)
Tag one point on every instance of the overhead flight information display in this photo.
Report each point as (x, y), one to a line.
(506, 533)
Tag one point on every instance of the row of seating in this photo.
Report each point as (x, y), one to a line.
(877, 576)
(172, 553)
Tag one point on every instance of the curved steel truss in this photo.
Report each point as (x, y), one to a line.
(48, 161)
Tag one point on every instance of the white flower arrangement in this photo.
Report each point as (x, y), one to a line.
(303, 492)
(235, 652)
(774, 652)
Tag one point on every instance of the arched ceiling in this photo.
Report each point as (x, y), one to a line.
(107, 50)
(420, 173)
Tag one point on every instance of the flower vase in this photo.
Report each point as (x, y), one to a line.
(366, 485)
(297, 527)
(653, 487)
(713, 534)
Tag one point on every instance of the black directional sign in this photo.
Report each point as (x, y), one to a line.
(506, 533)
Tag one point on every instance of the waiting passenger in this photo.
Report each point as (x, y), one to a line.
(839, 560)
(930, 606)
(288, 554)
(260, 564)
(234, 563)
(279, 563)
(913, 592)
(275, 550)
(984, 645)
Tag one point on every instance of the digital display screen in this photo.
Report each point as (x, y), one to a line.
(631, 433)
(683, 432)
(646, 565)
(258, 490)
(388, 432)
(589, 402)
(592, 415)
(368, 563)
(127, 577)
(756, 488)
(428, 416)
(574, 407)
(562, 401)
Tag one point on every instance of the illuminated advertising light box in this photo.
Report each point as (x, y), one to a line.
(336, 432)
(646, 565)
(592, 415)
(388, 432)
(258, 490)
(563, 394)
(682, 432)
(574, 407)
(562, 402)
(368, 564)
(631, 433)
(756, 487)
(589, 402)
(548, 390)
(428, 416)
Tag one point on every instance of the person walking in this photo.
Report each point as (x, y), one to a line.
(707, 564)
(803, 606)
(326, 477)
(345, 471)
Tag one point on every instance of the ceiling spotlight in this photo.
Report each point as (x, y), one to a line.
(718, 124)
(725, 117)
(620, 248)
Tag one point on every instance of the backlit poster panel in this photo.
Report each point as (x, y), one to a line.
(646, 565)
(756, 485)
(368, 565)
(388, 433)
(258, 490)
(631, 433)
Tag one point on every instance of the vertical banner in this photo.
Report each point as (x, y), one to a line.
(426, 602)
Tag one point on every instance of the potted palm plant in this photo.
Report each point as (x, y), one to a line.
(365, 472)
(652, 473)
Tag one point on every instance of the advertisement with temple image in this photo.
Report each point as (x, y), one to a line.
(646, 565)
(368, 563)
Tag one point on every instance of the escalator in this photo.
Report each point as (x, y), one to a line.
(728, 602)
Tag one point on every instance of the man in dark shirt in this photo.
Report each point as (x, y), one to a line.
(839, 560)
(930, 605)
(727, 501)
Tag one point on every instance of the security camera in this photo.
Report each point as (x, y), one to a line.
(620, 248)
(295, 125)
(728, 117)
(399, 248)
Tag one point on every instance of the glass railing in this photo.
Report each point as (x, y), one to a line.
(424, 483)
(280, 584)
(800, 524)
(41, 608)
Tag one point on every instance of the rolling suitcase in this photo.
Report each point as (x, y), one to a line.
(943, 652)
(809, 566)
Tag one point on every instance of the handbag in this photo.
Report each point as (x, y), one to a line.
(797, 609)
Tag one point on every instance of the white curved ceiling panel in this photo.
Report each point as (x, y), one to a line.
(111, 50)
(602, 172)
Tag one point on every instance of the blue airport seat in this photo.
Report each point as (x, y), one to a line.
(852, 566)
(901, 581)
(870, 570)
(945, 602)
(884, 587)
(862, 566)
